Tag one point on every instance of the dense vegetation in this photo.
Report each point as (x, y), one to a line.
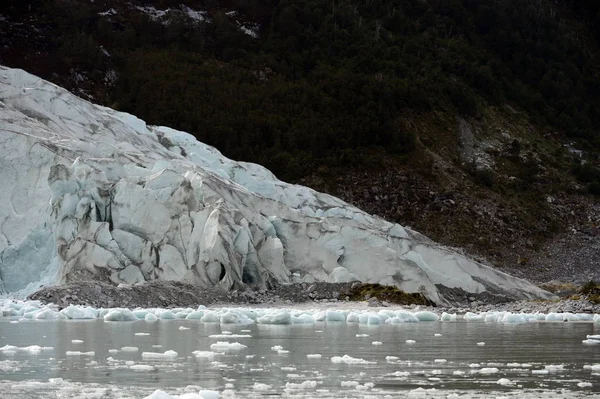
(327, 80)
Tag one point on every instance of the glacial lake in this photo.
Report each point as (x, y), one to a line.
(533, 360)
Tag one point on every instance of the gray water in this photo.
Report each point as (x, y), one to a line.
(53, 374)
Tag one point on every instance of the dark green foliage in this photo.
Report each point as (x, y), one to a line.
(328, 80)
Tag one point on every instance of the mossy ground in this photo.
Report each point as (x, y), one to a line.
(387, 293)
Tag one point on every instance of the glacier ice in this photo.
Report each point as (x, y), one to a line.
(87, 188)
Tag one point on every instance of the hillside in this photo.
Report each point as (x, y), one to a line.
(474, 122)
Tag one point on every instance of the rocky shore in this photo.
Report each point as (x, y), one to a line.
(175, 294)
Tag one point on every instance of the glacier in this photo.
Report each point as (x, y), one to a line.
(87, 189)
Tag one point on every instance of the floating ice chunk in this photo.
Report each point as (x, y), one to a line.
(505, 381)
(554, 367)
(593, 367)
(352, 317)
(158, 394)
(350, 360)
(261, 387)
(303, 385)
(426, 316)
(129, 349)
(167, 355)
(410, 341)
(49, 314)
(288, 368)
(313, 356)
(157, 346)
(474, 365)
(488, 370)
(439, 360)
(480, 343)
(210, 317)
(279, 318)
(391, 358)
(458, 372)
(223, 346)
(448, 317)
(79, 312)
(142, 367)
(276, 348)
(584, 384)
(230, 336)
(473, 317)
(376, 343)
(512, 318)
(120, 315)
(76, 341)
(303, 319)
(183, 328)
(403, 317)
(142, 334)
(554, 317)
(334, 315)
(150, 317)
(361, 335)
(422, 392)
(204, 354)
(539, 371)
(437, 335)
(195, 315)
(597, 318)
(591, 341)
(78, 353)
(113, 351)
(235, 317)
(349, 383)
(165, 314)
(593, 336)
(401, 373)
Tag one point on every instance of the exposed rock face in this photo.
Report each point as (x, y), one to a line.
(86, 188)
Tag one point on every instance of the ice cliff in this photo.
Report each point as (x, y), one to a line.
(84, 187)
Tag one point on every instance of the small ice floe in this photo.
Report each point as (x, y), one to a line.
(313, 356)
(245, 331)
(78, 353)
(113, 351)
(458, 372)
(410, 341)
(167, 355)
(303, 385)
(142, 334)
(230, 335)
(540, 372)
(129, 349)
(448, 317)
(288, 368)
(437, 335)
(488, 370)
(584, 384)
(76, 341)
(350, 360)
(505, 382)
(593, 336)
(593, 367)
(142, 367)
(349, 383)
(474, 365)
(554, 367)
(480, 343)
(362, 335)
(391, 358)
(439, 360)
(400, 374)
(376, 343)
(261, 387)
(157, 346)
(426, 316)
(182, 328)
(422, 392)
(119, 314)
(31, 349)
(222, 346)
(204, 354)
(591, 341)
(150, 317)
(364, 387)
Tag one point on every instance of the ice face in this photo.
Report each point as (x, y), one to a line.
(89, 188)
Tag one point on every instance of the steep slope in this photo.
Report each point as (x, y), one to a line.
(90, 189)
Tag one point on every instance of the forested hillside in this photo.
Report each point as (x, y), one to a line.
(489, 107)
